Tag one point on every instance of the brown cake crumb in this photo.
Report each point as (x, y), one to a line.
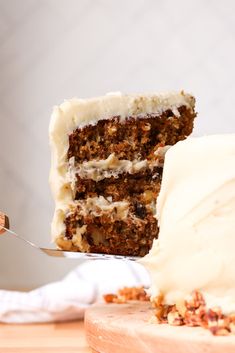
(126, 294)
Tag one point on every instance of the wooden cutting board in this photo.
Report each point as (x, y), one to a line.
(120, 328)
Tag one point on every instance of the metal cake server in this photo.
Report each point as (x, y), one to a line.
(5, 229)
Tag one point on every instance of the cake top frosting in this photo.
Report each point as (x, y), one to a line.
(80, 112)
(196, 215)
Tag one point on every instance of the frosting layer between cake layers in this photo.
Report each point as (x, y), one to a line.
(196, 215)
(66, 168)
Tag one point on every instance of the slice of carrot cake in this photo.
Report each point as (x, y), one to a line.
(107, 159)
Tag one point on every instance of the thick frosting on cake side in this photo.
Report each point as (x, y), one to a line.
(196, 215)
(78, 113)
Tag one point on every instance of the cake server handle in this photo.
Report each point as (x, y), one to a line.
(5, 228)
(4, 223)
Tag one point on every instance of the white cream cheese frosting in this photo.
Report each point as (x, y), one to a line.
(112, 166)
(77, 113)
(196, 214)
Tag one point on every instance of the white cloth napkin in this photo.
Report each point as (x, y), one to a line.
(69, 298)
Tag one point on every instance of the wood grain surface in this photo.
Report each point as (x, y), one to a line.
(118, 328)
(45, 338)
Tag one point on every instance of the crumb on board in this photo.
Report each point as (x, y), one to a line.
(126, 294)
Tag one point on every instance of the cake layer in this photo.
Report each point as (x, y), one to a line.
(145, 184)
(106, 233)
(134, 138)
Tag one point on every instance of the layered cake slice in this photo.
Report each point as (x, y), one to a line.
(107, 159)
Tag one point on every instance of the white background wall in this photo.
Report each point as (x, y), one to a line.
(56, 49)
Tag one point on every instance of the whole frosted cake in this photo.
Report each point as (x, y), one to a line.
(107, 159)
(192, 264)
